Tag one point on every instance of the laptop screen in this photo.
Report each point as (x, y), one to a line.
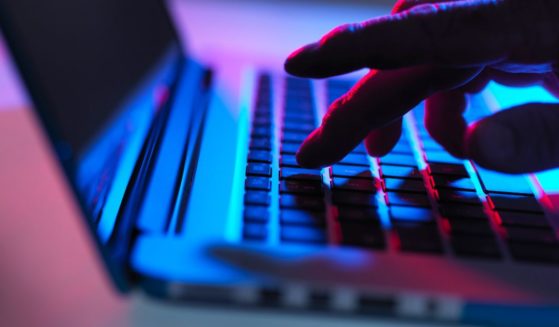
(84, 57)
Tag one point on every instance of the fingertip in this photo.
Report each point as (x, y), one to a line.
(301, 62)
(491, 145)
(309, 154)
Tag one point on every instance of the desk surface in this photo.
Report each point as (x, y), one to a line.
(49, 275)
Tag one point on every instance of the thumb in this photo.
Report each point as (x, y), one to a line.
(523, 139)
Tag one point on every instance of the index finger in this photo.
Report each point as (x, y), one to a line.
(377, 100)
(460, 34)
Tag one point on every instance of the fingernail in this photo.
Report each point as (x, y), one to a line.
(493, 144)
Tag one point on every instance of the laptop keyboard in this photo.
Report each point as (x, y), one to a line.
(417, 199)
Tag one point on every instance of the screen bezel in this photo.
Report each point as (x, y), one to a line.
(117, 270)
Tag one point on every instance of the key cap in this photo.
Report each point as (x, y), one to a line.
(449, 182)
(402, 148)
(400, 172)
(302, 217)
(302, 202)
(475, 247)
(257, 214)
(408, 199)
(261, 131)
(301, 187)
(300, 234)
(531, 235)
(503, 183)
(288, 161)
(354, 199)
(470, 227)
(358, 214)
(362, 235)
(260, 156)
(408, 214)
(290, 137)
(289, 148)
(515, 203)
(457, 211)
(404, 185)
(456, 196)
(423, 238)
(292, 126)
(263, 144)
(300, 174)
(257, 198)
(259, 169)
(255, 232)
(448, 169)
(398, 160)
(442, 157)
(530, 252)
(355, 160)
(258, 183)
(354, 184)
(351, 171)
(511, 218)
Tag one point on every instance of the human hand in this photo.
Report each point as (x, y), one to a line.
(440, 51)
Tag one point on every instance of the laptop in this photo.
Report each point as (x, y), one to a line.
(191, 200)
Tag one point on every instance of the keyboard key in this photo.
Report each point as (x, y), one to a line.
(261, 131)
(354, 184)
(442, 157)
(260, 156)
(300, 174)
(408, 214)
(398, 160)
(504, 183)
(531, 235)
(470, 227)
(402, 148)
(400, 172)
(301, 187)
(475, 247)
(408, 199)
(298, 127)
(512, 218)
(257, 214)
(456, 196)
(263, 144)
(355, 160)
(258, 183)
(351, 171)
(302, 217)
(301, 234)
(301, 202)
(354, 199)
(368, 235)
(450, 182)
(457, 211)
(257, 198)
(288, 161)
(358, 214)
(259, 169)
(530, 252)
(255, 232)
(515, 203)
(423, 238)
(448, 169)
(289, 148)
(404, 185)
(291, 137)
